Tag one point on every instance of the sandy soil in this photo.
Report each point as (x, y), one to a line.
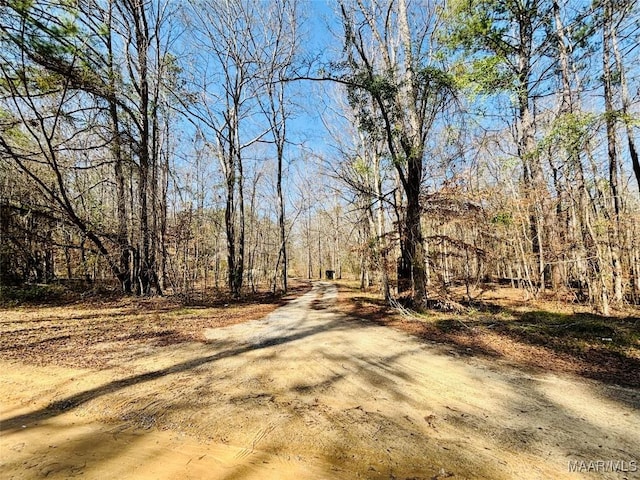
(308, 392)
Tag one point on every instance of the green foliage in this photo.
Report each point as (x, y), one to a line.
(435, 80)
(630, 119)
(489, 37)
(503, 218)
(620, 116)
(45, 81)
(478, 26)
(50, 34)
(10, 128)
(570, 131)
(173, 73)
(103, 30)
(366, 89)
(377, 85)
(485, 75)
(20, 6)
(368, 92)
(361, 167)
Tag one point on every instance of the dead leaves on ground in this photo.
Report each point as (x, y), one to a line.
(501, 334)
(101, 334)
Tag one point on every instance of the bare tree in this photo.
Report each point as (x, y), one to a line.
(226, 76)
(390, 58)
(114, 95)
(280, 38)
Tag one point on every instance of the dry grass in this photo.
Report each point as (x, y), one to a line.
(547, 334)
(104, 331)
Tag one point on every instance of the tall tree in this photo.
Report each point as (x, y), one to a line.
(44, 66)
(226, 82)
(570, 130)
(115, 93)
(390, 57)
(279, 34)
(507, 39)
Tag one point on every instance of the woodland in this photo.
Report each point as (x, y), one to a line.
(160, 147)
(285, 239)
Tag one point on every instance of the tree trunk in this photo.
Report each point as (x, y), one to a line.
(282, 254)
(229, 221)
(116, 148)
(380, 231)
(614, 224)
(239, 264)
(413, 146)
(137, 11)
(414, 244)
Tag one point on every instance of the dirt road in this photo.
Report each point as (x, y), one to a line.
(309, 393)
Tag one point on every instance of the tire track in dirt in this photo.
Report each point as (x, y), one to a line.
(307, 392)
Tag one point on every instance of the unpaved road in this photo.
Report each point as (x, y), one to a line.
(308, 393)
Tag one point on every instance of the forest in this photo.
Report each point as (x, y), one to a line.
(161, 147)
(319, 239)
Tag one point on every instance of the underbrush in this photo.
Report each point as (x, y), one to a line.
(11, 296)
(50, 326)
(579, 331)
(538, 334)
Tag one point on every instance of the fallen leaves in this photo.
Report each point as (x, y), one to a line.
(498, 336)
(102, 334)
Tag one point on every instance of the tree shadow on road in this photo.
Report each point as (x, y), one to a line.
(606, 349)
(228, 350)
(354, 436)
